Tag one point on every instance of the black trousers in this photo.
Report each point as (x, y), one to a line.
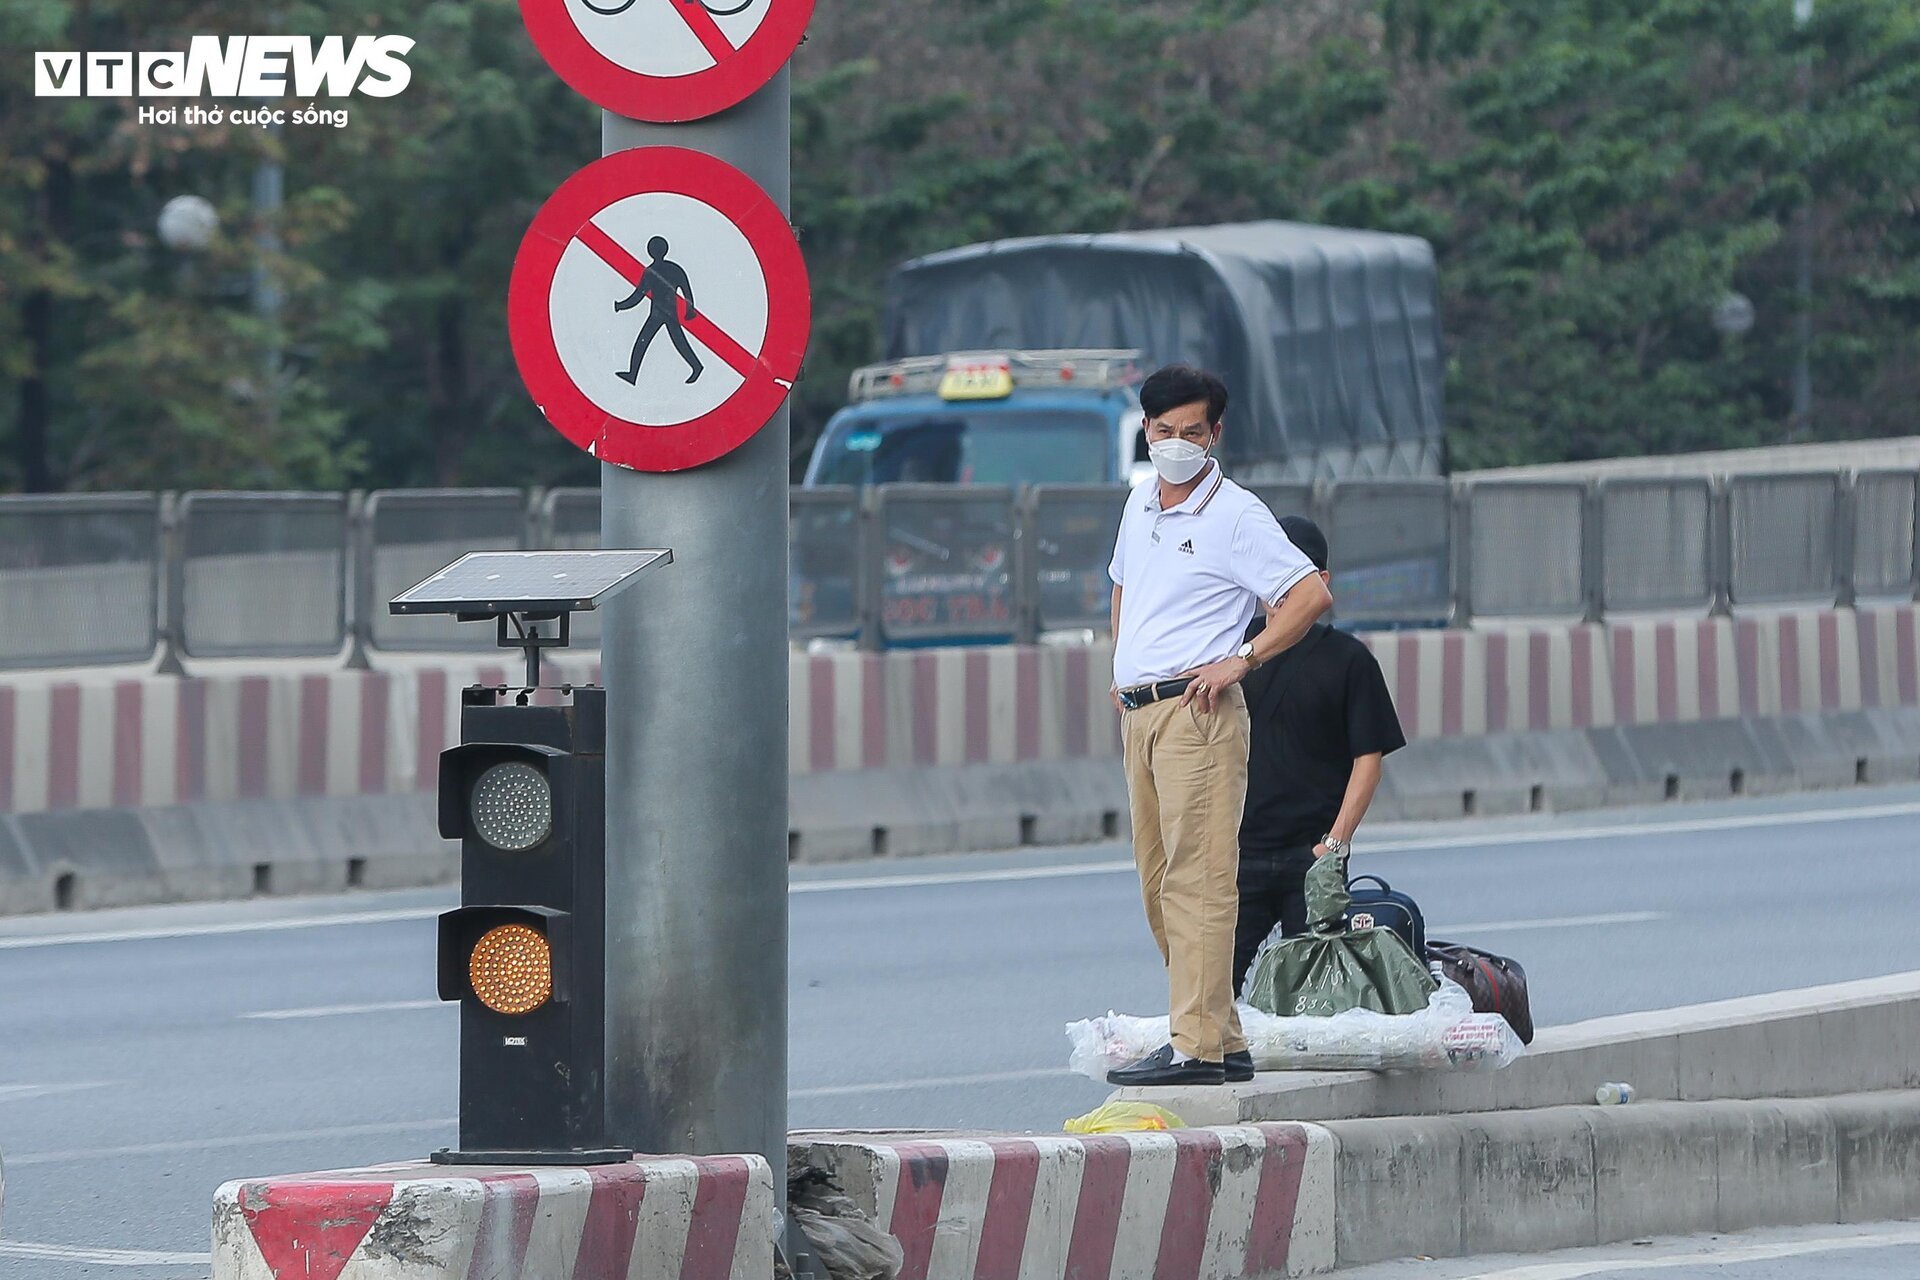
(1273, 890)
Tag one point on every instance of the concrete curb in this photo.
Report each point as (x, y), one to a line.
(1193, 1204)
(1843, 1038)
(1561, 1177)
(710, 1218)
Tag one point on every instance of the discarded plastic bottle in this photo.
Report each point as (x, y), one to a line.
(1613, 1094)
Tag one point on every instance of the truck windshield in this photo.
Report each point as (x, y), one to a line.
(1034, 447)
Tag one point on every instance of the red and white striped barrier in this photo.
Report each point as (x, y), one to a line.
(710, 1218)
(89, 743)
(1190, 1204)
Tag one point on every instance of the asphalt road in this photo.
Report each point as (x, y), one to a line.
(150, 1055)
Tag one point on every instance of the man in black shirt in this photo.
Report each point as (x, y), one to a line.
(1321, 722)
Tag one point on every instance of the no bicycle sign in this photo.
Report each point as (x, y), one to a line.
(666, 61)
(659, 309)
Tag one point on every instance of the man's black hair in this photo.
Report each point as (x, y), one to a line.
(1179, 384)
(1305, 534)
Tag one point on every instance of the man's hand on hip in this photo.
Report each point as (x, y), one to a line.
(1213, 679)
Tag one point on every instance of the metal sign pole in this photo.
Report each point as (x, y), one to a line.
(696, 678)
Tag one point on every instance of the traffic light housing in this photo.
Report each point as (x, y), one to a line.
(525, 952)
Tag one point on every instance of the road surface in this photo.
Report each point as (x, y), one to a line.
(152, 1054)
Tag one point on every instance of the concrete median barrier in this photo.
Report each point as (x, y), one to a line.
(1562, 1177)
(710, 1218)
(1844, 1038)
(1193, 1204)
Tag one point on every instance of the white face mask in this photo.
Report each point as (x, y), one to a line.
(1177, 461)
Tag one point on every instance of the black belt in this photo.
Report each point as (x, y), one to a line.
(1142, 695)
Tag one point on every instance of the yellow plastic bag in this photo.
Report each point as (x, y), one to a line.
(1125, 1117)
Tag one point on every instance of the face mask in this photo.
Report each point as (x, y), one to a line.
(1177, 461)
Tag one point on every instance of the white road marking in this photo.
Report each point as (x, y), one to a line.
(1556, 835)
(929, 1082)
(21, 1092)
(103, 1257)
(208, 930)
(338, 1010)
(1547, 922)
(1704, 1257)
(231, 1140)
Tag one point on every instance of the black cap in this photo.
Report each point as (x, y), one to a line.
(1306, 535)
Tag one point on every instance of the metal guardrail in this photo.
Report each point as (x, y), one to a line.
(109, 578)
(258, 574)
(79, 579)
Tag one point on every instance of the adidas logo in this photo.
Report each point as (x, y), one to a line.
(1187, 546)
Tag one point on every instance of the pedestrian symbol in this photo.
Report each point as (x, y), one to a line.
(705, 260)
(666, 61)
(662, 283)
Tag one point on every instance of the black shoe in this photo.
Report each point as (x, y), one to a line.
(626, 376)
(1159, 1068)
(1239, 1067)
(695, 375)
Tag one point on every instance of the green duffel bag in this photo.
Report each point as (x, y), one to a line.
(1328, 969)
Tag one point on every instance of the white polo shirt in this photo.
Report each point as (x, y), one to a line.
(1190, 577)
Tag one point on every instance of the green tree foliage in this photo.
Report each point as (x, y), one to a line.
(1596, 175)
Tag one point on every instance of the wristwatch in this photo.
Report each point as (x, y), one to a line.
(1338, 848)
(1245, 654)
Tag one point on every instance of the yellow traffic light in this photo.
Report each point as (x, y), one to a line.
(511, 969)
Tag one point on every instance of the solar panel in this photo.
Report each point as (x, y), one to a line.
(484, 583)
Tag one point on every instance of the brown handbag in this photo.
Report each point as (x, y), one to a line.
(1495, 983)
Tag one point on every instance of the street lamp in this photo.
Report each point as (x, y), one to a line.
(187, 224)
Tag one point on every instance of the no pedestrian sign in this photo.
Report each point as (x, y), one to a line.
(666, 61)
(659, 309)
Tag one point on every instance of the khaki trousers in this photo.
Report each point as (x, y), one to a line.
(1186, 787)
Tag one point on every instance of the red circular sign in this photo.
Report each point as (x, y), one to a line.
(666, 61)
(659, 308)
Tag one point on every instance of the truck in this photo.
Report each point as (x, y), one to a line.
(1018, 363)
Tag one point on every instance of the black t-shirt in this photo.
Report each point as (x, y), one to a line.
(1315, 708)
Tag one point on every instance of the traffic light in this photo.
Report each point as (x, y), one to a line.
(525, 952)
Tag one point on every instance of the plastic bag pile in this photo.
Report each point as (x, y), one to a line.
(1447, 1035)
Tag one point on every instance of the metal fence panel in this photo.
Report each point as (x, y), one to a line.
(79, 579)
(1783, 538)
(1657, 544)
(1525, 550)
(411, 533)
(823, 565)
(1285, 499)
(1073, 528)
(570, 521)
(261, 574)
(946, 558)
(1389, 548)
(1883, 534)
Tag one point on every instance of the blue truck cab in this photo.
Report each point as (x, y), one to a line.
(991, 418)
(997, 419)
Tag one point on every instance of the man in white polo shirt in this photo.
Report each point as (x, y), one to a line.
(1195, 556)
